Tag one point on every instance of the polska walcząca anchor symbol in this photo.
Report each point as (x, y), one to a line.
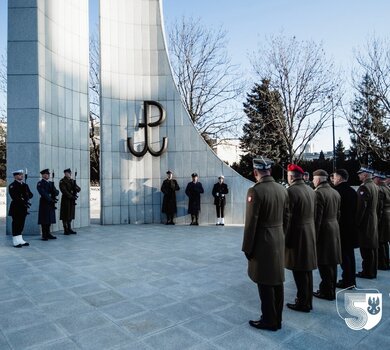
(146, 125)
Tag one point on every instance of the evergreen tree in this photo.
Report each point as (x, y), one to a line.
(340, 154)
(262, 132)
(369, 131)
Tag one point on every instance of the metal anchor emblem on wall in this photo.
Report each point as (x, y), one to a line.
(146, 125)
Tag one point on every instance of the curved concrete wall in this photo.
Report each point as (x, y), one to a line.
(135, 68)
(48, 43)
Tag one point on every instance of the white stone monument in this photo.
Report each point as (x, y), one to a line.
(145, 129)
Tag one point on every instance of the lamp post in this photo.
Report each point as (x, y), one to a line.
(334, 139)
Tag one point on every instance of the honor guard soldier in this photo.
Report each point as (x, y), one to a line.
(20, 194)
(301, 256)
(263, 244)
(383, 221)
(306, 179)
(193, 191)
(220, 190)
(169, 188)
(348, 230)
(327, 234)
(47, 204)
(367, 223)
(69, 190)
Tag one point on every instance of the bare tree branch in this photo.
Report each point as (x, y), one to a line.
(305, 80)
(207, 81)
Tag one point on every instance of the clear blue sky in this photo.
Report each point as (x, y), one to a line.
(341, 25)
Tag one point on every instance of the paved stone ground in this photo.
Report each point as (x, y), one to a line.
(155, 287)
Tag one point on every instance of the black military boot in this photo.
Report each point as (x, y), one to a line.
(192, 220)
(70, 228)
(66, 229)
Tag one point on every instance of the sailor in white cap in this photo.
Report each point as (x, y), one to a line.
(20, 194)
(220, 190)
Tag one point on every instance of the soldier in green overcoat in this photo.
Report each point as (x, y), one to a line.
(263, 244)
(69, 190)
(328, 202)
(383, 221)
(367, 223)
(301, 256)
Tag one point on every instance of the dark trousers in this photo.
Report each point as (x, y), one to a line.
(369, 261)
(45, 230)
(67, 225)
(18, 224)
(220, 211)
(194, 218)
(328, 274)
(271, 298)
(170, 217)
(348, 266)
(383, 256)
(304, 283)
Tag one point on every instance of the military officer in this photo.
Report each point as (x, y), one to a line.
(47, 204)
(328, 234)
(301, 255)
(306, 179)
(383, 221)
(20, 194)
(263, 243)
(348, 230)
(367, 223)
(193, 191)
(69, 190)
(220, 190)
(169, 188)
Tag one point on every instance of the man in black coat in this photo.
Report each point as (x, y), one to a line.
(220, 190)
(20, 194)
(193, 191)
(169, 188)
(47, 202)
(348, 229)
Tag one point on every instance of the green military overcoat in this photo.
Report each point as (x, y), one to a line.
(301, 233)
(265, 220)
(69, 190)
(366, 214)
(327, 226)
(383, 213)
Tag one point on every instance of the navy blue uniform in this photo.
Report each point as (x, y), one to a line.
(20, 194)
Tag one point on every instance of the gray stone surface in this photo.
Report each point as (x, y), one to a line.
(133, 71)
(156, 287)
(47, 96)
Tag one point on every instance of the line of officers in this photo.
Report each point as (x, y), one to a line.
(302, 229)
(21, 194)
(193, 191)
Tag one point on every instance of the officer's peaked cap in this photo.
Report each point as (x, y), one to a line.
(365, 169)
(17, 172)
(262, 163)
(320, 172)
(45, 171)
(67, 170)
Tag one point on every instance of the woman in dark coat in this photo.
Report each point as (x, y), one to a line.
(193, 191)
(169, 188)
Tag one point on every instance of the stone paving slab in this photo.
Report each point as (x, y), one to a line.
(156, 287)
